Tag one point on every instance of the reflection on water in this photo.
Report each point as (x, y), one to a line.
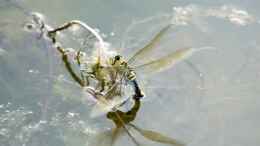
(212, 99)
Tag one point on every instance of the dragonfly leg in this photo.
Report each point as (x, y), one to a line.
(115, 135)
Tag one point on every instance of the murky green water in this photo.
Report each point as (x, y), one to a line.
(211, 99)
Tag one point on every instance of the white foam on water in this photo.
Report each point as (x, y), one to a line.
(2, 52)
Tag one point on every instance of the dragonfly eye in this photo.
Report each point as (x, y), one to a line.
(117, 57)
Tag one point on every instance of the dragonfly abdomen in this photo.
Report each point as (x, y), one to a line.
(138, 92)
(130, 75)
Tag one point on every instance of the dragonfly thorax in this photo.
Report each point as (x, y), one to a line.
(122, 68)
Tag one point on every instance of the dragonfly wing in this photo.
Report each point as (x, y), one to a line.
(116, 133)
(99, 109)
(167, 61)
(104, 138)
(103, 106)
(157, 137)
(150, 46)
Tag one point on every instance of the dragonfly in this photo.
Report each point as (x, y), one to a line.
(112, 72)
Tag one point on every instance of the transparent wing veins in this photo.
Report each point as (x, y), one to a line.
(165, 62)
(150, 46)
(157, 137)
(169, 60)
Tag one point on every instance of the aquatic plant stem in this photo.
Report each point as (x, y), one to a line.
(87, 27)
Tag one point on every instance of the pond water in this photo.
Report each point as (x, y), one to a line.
(210, 99)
